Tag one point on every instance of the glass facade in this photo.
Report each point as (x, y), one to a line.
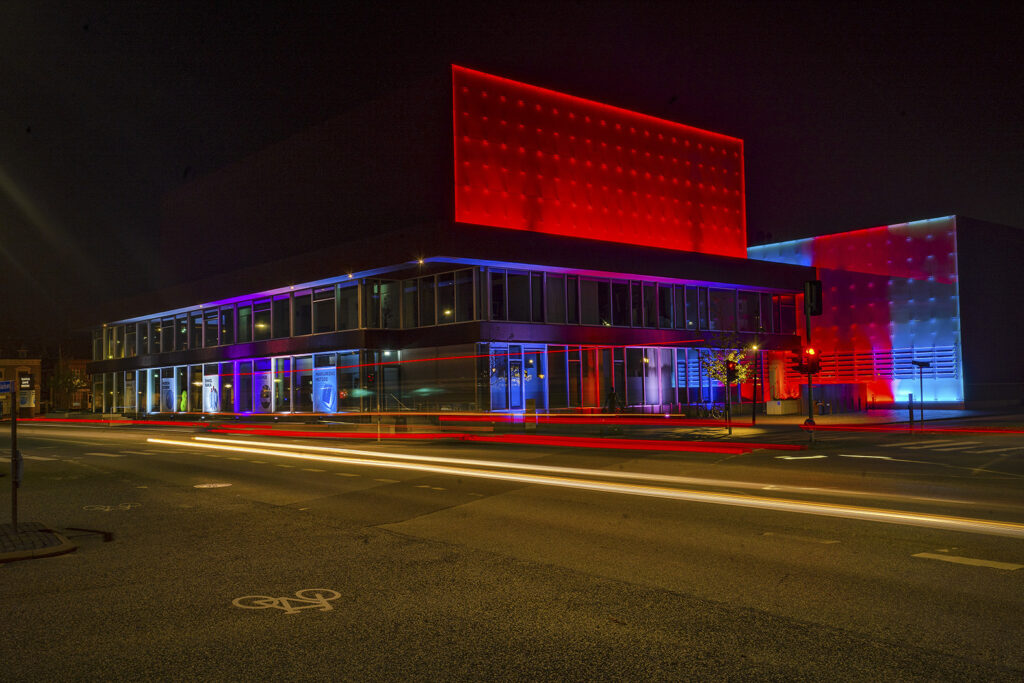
(473, 375)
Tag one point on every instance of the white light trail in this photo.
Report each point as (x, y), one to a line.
(979, 526)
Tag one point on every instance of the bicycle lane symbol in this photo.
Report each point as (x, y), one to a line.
(309, 598)
(111, 508)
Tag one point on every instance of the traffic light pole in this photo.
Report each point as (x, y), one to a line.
(809, 422)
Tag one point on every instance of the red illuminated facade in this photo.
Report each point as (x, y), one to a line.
(528, 158)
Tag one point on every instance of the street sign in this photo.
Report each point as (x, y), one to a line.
(5, 386)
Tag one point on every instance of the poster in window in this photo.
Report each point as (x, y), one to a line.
(211, 395)
(325, 390)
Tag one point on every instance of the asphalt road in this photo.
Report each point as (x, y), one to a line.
(477, 574)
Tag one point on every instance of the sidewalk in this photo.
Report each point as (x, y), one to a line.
(32, 540)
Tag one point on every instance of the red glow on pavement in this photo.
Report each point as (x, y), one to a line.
(904, 428)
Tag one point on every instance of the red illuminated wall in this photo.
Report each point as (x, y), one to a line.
(527, 158)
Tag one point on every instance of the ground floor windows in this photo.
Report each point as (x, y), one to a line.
(486, 376)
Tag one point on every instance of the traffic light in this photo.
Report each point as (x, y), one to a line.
(730, 371)
(811, 361)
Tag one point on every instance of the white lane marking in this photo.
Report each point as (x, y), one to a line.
(217, 485)
(872, 457)
(258, 462)
(346, 474)
(1008, 566)
(919, 443)
(107, 455)
(478, 495)
(805, 539)
(38, 457)
(286, 465)
(958, 447)
(438, 488)
(947, 443)
(387, 481)
(138, 452)
(312, 469)
(799, 457)
(422, 486)
(1001, 450)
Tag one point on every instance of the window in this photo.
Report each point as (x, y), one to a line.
(572, 314)
(498, 311)
(588, 304)
(427, 295)
(302, 313)
(519, 296)
(723, 309)
(348, 307)
(195, 330)
(389, 305)
(691, 308)
(679, 301)
(167, 335)
(464, 295)
(445, 298)
(556, 299)
(244, 323)
(765, 317)
(664, 307)
(155, 332)
(130, 337)
(410, 319)
(227, 325)
(323, 310)
(620, 303)
(636, 304)
(702, 307)
(261, 320)
(747, 311)
(119, 341)
(281, 316)
(785, 310)
(210, 332)
(97, 344)
(181, 336)
(650, 306)
(537, 297)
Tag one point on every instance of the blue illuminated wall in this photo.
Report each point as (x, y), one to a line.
(891, 297)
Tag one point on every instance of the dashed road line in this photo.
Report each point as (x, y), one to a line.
(804, 539)
(139, 452)
(287, 466)
(422, 486)
(258, 462)
(1001, 450)
(346, 474)
(234, 458)
(959, 446)
(799, 457)
(919, 444)
(106, 455)
(312, 469)
(869, 457)
(934, 444)
(38, 457)
(974, 562)
(387, 481)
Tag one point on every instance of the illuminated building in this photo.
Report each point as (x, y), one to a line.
(930, 291)
(473, 243)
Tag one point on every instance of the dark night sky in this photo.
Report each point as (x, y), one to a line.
(852, 115)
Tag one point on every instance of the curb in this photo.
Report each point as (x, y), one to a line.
(64, 546)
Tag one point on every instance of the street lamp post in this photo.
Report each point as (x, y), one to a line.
(757, 371)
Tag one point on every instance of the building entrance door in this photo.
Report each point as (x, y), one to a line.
(515, 385)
